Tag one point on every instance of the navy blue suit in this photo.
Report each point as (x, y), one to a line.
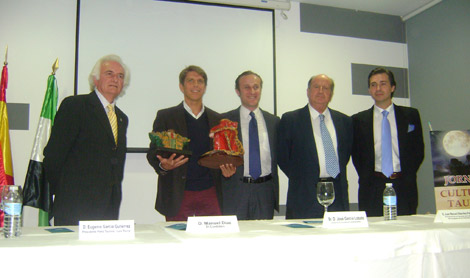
(298, 159)
(411, 149)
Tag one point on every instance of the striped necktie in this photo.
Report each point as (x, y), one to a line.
(113, 121)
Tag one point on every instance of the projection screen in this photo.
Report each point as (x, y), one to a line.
(157, 39)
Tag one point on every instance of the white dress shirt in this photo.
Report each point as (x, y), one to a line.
(378, 116)
(104, 101)
(264, 149)
(187, 108)
(315, 119)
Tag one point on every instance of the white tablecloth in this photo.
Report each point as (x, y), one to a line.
(412, 246)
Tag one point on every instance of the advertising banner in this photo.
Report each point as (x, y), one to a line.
(451, 168)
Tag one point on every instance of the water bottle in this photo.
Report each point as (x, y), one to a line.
(12, 207)
(390, 202)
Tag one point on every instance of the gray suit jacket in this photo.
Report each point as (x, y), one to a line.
(298, 159)
(272, 123)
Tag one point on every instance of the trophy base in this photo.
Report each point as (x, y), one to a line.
(214, 159)
(167, 152)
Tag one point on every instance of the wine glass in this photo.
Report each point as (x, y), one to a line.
(325, 193)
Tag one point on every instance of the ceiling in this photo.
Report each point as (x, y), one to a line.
(403, 8)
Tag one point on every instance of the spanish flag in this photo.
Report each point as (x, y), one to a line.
(6, 167)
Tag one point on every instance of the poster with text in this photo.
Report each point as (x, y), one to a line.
(451, 168)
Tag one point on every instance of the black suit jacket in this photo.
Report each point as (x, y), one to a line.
(171, 184)
(83, 164)
(272, 123)
(298, 159)
(411, 148)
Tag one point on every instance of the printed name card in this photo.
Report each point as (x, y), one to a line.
(453, 216)
(345, 219)
(106, 230)
(212, 224)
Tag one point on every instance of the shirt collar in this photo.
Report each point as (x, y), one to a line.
(103, 100)
(314, 113)
(379, 110)
(188, 109)
(245, 112)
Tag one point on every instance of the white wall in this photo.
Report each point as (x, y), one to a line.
(36, 32)
(39, 32)
(302, 55)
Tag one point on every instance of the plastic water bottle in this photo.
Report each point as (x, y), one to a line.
(12, 206)
(390, 202)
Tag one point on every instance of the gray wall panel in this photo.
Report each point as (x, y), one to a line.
(439, 59)
(18, 116)
(350, 23)
(360, 73)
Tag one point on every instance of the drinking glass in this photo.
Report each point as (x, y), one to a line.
(325, 193)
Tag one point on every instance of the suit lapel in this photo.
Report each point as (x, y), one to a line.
(121, 124)
(368, 123)
(339, 129)
(307, 130)
(100, 115)
(402, 126)
(236, 118)
(180, 120)
(270, 122)
(213, 121)
(269, 128)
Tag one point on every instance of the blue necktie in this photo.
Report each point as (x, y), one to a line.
(331, 161)
(387, 162)
(255, 161)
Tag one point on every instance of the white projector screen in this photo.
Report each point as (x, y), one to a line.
(157, 39)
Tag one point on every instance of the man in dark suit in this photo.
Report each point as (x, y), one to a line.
(252, 194)
(405, 154)
(303, 157)
(84, 157)
(186, 188)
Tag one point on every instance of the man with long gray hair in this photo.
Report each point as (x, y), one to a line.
(84, 158)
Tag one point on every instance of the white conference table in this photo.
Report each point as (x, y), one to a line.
(412, 246)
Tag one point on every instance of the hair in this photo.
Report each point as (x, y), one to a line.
(245, 73)
(380, 70)
(95, 72)
(196, 69)
(332, 82)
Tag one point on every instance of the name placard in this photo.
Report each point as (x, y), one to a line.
(345, 219)
(212, 224)
(106, 230)
(452, 216)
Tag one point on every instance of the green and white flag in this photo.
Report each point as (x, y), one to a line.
(36, 191)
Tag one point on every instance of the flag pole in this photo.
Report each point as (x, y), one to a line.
(55, 66)
(6, 57)
(43, 216)
(37, 192)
